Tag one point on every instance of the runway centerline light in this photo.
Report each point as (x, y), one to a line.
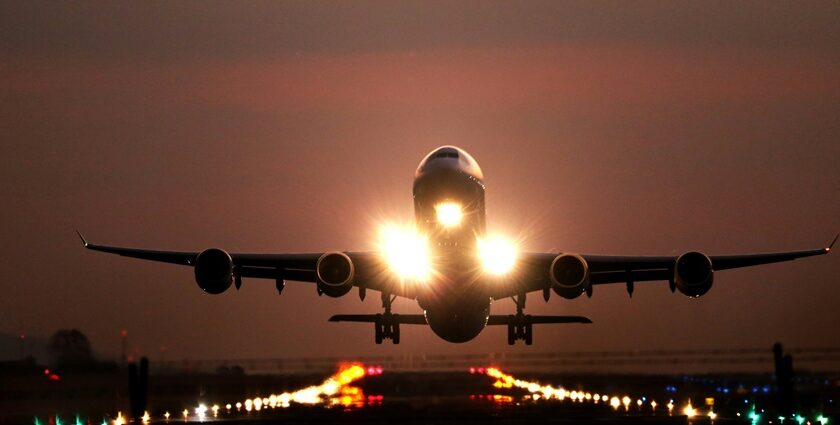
(449, 214)
(498, 255)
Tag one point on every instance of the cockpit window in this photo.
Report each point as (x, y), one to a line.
(446, 154)
(463, 162)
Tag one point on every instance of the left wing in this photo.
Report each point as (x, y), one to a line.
(603, 269)
(298, 267)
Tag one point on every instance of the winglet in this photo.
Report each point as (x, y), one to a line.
(84, 242)
(831, 245)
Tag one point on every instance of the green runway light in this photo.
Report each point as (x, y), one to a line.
(822, 419)
(78, 420)
(57, 420)
(37, 422)
(754, 417)
(799, 419)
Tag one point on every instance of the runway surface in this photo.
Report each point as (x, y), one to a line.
(358, 393)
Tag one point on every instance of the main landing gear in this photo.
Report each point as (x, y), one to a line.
(520, 326)
(387, 325)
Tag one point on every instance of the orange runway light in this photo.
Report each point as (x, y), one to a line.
(336, 390)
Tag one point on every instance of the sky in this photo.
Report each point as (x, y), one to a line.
(601, 128)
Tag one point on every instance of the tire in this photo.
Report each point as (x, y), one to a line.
(511, 333)
(377, 331)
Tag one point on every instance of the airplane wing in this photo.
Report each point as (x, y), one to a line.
(298, 267)
(533, 271)
(604, 269)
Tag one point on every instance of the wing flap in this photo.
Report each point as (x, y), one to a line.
(276, 273)
(599, 278)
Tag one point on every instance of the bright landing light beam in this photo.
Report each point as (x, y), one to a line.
(498, 255)
(449, 214)
(406, 252)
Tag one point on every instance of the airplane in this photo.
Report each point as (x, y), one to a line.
(450, 265)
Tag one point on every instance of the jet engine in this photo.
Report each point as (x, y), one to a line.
(693, 274)
(213, 271)
(334, 271)
(569, 275)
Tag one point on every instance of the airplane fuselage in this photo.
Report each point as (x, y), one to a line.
(454, 299)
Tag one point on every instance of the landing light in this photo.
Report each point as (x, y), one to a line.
(498, 255)
(449, 214)
(406, 252)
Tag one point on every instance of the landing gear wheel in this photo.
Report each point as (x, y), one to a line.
(529, 333)
(520, 326)
(377, 329)
(387, 325)
(511, 330)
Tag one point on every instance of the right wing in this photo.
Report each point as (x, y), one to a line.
(606, 269)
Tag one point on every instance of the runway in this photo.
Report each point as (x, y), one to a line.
(359, 393)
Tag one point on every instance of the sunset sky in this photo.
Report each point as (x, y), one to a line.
(601, 128)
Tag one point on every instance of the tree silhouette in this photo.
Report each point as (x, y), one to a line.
(70, 347)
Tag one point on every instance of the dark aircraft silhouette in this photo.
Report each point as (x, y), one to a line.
(450, 265)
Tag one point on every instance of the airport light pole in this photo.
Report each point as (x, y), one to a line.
(123, 343)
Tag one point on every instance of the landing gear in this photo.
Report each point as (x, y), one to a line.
(519, 325)
(387, 325)
(520, 328)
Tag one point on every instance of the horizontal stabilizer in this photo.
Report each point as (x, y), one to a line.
(403, 319)
(498, 320)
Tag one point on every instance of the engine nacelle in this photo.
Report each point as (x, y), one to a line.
(214, 271)
(334, 272)
(693, 274)
(569, 275)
